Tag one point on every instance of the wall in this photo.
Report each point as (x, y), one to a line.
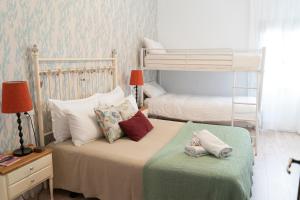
(202, 24)
(69, 28)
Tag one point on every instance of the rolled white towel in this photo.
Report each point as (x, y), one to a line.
(195, 151)
(213, 144)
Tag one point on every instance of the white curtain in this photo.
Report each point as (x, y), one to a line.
(276, 25)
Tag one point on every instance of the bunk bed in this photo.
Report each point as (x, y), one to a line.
(218, 109)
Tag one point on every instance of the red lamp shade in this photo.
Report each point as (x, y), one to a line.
(16, 97)
(136, 77)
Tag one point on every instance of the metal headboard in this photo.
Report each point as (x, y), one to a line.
(85, 77)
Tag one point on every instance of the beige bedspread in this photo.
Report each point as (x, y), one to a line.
(109, 171)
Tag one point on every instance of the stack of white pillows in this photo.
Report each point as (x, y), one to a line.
(76, 119)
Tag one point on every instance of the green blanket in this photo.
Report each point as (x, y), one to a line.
(172, 175)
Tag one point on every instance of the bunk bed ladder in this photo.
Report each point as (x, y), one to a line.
(235, 117)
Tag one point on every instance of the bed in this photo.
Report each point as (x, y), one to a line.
(153, 168)
(156, 167)
(156, 57)
(198, 108)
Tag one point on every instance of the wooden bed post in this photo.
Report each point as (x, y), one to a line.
(115, 66)
(38, 95)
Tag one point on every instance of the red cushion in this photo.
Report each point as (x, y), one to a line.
(136, 127)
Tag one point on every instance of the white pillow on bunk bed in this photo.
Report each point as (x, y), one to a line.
(152, 89)
(59, 110)
(153, 46)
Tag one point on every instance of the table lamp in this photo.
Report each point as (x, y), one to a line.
(136, 79)
(17, 99)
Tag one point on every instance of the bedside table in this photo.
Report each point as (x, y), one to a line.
(20, 177)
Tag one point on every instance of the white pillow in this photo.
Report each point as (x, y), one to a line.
(131, 100)
(60, 126)
(83, 124)
(152, 89)
(112, 97)
(155, 46)
(127, 107)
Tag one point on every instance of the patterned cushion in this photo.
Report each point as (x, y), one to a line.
(108, 118)
(126, 109)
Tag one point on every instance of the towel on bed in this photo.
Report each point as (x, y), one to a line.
(213, 144)
(195, 141)
(195, 151)
(194, 147)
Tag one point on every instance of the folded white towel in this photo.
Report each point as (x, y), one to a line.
(195, 141)
(213, 144)
(195, 151)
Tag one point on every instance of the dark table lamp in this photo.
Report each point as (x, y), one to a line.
(136, 79)
(16, 99)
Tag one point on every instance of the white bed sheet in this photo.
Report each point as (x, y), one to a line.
(199, 108)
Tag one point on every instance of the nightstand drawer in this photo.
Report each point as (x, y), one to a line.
(20, 187)
(29, 169)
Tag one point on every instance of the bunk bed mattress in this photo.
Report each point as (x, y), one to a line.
(247, 61)
(199, 108)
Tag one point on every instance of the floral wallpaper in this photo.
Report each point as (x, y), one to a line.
(82, 28)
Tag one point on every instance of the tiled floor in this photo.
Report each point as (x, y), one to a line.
(271, 181)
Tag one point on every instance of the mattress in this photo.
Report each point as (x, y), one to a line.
(200, 108)
(222, 61)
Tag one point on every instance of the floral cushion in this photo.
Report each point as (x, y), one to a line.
(108, 118)
(126, 109)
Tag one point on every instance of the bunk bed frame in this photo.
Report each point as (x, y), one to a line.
(215, 60)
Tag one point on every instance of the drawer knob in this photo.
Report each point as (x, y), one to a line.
(31, 168)
(32, 181)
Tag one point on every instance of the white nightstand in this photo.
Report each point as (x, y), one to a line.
(25, 174)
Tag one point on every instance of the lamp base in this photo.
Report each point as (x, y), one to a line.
(19, 153)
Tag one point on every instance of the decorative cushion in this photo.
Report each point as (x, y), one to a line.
(127, 108)
(108, 118)
(152, 89)
(136, 127)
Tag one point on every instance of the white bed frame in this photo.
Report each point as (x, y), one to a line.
(195, 59)
(86, 79)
